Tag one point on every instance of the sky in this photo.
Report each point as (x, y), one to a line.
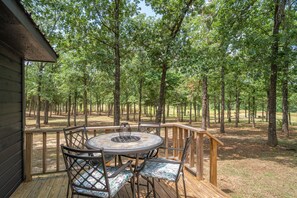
(146, 9)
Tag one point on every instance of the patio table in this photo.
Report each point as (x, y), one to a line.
(139, 142)
(112, 144)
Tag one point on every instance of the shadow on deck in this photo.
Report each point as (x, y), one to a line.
(55, 185)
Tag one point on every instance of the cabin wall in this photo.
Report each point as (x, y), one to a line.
(11, 121)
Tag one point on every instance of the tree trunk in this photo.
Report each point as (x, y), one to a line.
(134, 111)
(229, 109)
(85, 102)
(69, 110)
(204, 103)
(162, 93)
(140, 99)
(190, 120)
(208, 113)
(38, 106)
(128, 111)
(90, 111)
(237, 107)
(278, 17)
(219, 111)
(75, 108)
(254, 110)
(117, 62)
(46, 110)
(195, 110)
(168, 110)
(249, 110)
(215, 109)
(222, 127)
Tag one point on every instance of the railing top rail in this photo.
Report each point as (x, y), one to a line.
(190, 128)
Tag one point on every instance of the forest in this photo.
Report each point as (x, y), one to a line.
(205, 60)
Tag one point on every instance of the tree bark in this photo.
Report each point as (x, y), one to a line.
(75, 108)
(162, 93)
(69, 110)
(204, 103)
(279, 6)
(38, 102)
(46, 110)
(222, 127)
(117, 62)
(215, 109)
(140, 100)
(237, 107)
(85, 102)
(128, 111)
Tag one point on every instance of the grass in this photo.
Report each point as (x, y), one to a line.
(247, 167)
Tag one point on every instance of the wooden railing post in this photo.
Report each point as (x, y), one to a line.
(213, 161)
(180, 142)
(44, 151)
(199, 153)
(166, 142)
(192, 151)
(28, 156)
(174, 140)
(58, 151)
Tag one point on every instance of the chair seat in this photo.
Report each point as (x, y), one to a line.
(160, 170)
(115, 183)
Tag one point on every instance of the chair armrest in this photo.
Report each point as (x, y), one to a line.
(120, 169)
(169, 148)
(161, 160)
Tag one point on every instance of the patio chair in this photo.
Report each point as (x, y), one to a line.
(149, 127)
(77, 136)
(164, 169)
(94, 180)
(146, 128)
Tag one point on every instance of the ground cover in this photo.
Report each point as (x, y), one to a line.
(247, 167)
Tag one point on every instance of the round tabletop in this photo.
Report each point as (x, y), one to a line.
(146, 142)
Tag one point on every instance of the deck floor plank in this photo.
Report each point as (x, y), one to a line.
(55, 185)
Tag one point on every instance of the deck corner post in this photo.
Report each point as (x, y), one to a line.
(213, 161)
(28, 156)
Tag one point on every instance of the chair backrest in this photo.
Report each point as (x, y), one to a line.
(86, 170)
(185, 151)
(76, 137)
(149, 127)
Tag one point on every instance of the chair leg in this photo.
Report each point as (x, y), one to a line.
(154, 189)
(137, 177)
(184, 185)
(176, 186)
(68, 186)
(133, 186)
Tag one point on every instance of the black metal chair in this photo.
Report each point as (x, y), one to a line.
(77, 136)
(94, 179)
(165, 169)
(149, 127)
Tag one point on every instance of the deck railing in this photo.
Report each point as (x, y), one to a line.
(173, 134)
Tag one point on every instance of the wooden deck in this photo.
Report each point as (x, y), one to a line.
(55, 185)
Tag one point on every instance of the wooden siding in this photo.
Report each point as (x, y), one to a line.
(11, 135)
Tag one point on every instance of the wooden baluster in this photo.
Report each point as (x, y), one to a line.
(94, 132)
(180, 143)
(192, 150)
(199, 153)
(58, 151)
(166, 142)
(186, 134)
(28, 157)
(174, 137)
(213, 161)
(44, 151)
